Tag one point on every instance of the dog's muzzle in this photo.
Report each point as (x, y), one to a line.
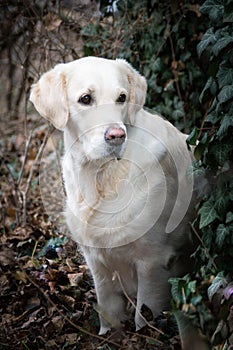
(115, 136)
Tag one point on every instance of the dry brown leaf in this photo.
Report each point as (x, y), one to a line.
(52, 21)
(7, 256)
(75, 278)
(11, 212)
(58, 322)
(20, 276)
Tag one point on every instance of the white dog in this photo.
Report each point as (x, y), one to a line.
(125, 174)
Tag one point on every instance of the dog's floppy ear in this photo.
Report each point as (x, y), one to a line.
(137, 84)
(49, 97)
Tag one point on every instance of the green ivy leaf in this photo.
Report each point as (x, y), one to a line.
(214, 9)
(192, 138)
(221, 233)
(218, 282)
(201, 146)
(229, 217)
(207, 39)
(221, 151)
(208, 214)
(191, 287)
(176, 290)
(207, 86)
(177, 114)
(226, 122)
(221, 44)
(221, 200)
(199, 150)
(225, 76)
(228, 13)
(207, 236)
(226, 93)
(157, 65)
(213, 117)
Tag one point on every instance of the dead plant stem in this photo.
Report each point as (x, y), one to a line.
(29, 179)
(175, 73)
(116, 274)
(202, 243)
(28, 141)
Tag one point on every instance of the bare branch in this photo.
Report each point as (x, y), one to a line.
(116, 274)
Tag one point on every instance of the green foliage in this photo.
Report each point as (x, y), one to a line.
(187, 297)
(182, 289)
(53, 243)
(215, 150)
(160, 41)
(215, 146)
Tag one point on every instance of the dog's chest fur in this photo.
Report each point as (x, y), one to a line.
(106, 202)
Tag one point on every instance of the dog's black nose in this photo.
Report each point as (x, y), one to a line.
(115, 136)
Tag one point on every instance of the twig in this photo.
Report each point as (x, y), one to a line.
(175, 73)
(33, 254)
(34, 250)
(184, 296)
(202, 243)
(107, 339)
(15, 192)
(204, 118)
(24, 193)
(116, 274)
(25, 345)
(24, 314)
(24, 158)
(145, 337)
(173, 70)
(80, 329)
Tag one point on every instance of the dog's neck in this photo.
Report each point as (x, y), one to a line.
(103, 176)
(95, 180)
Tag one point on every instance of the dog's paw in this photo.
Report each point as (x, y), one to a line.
(104, 329)
(139, 323)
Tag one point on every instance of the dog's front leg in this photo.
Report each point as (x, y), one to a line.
(153, 291)
(111, 302)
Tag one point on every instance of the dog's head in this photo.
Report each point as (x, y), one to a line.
(93, 98)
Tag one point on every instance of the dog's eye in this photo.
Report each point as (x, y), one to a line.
(85, 99)
(121, 98)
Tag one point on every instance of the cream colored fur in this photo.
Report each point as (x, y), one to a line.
(128, 206)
